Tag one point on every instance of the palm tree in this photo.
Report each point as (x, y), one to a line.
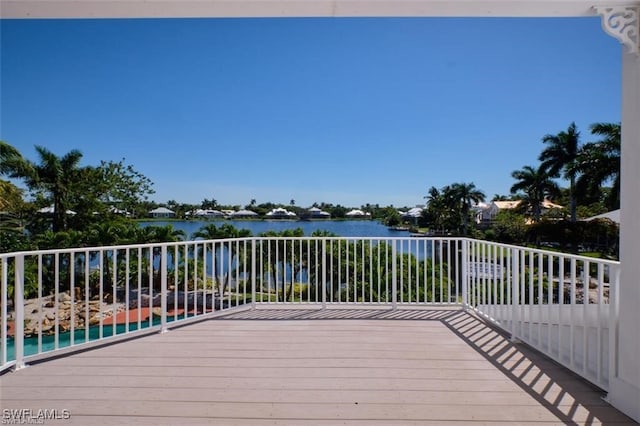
(560, 157)
(537, 185)
(439, 210)
(10, 195)
(10, 159)
(166, 234)
(54, 176)
(212, 232)
(282, 258)
(599, 162)
(464, 195)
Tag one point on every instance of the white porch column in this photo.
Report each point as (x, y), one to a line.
(624, 24)
(625, 388)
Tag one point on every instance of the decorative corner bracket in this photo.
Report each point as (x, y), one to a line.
(623, 23)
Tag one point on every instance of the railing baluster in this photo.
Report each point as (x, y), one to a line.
(253, 275)
(18, 304)
(163, 289)
(394, 276)
(531, 304)
(465, 265)
(41, 307)
(560, 305)
(599, 323)
(56, 299)
(4, 290)
(549, 302)
(585, 315)
(114, 279)
(515, 291)
(324, 273)
(126, 290)
(540, 298)
(572, 320)
(614, 307)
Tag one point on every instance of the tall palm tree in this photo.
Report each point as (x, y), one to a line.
(599, 162)
(213, 232)
(537, 185)
(167, 234)
(10, 196)
(436, 213)
(464, 196)
(55, 176)
(10, 159)
(559, 158)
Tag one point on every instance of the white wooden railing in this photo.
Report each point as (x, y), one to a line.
(562, 305)
(57, 301)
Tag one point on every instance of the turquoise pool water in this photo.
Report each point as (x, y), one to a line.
(79, 337)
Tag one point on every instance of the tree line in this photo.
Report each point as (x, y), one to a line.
(87, 204)
(86, 200)
(592, 171)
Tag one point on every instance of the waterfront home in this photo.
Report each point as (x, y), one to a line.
(356, 213)
(208, 213)
(51, 210)
(115, 210)
(161, 212)
(485, 214)
(243, 214)
(413, 213)
(280, 213)
(316, 213)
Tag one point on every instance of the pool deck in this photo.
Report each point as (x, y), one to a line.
(312, 367)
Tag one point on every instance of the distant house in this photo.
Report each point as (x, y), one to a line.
(316, 213)
(115, 210)
(356, 213)
(161, 212)
(280, 213)
(206, 213)
(487, 213)
(243, 214)
(413, 213)
(51, 210)
(613, 216)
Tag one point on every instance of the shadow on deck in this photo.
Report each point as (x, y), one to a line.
(297, 366)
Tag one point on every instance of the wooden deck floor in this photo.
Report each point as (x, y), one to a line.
(303, 367)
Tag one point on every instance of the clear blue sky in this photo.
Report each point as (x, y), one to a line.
(346, 111)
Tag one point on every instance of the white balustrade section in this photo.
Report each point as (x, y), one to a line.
(560, 304)
(56, 301)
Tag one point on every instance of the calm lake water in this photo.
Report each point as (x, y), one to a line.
(342, 228)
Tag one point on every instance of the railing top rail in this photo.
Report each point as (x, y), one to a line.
(549, 252)
(303, 238)
(201, 241)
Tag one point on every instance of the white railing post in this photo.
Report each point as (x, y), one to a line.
(253, 273)
(18, 293)
(163, 290)
(324, 273)
(4, 282)
(515, 292)
(614, 306)
(464, 273)
(394, 276)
